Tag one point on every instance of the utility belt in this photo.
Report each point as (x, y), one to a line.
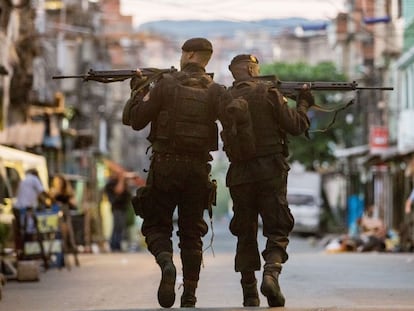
(271, 150)
(179, 157)
(274, 151)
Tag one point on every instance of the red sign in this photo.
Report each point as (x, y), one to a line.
(378, 138)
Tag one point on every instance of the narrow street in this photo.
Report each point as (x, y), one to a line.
(311, 280)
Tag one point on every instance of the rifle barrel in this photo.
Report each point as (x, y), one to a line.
(382, 88)
(329, 86)
(68, 77)
(112, 73)
(116, 75)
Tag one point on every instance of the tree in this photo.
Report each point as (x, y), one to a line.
(324, 136)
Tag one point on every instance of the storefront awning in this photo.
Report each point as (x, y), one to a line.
(365, 156)
(390, 154)
(352, 151)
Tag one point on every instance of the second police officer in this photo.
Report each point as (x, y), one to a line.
(255, 141)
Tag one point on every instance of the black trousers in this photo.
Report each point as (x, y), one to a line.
(267, 199)
(176, 182)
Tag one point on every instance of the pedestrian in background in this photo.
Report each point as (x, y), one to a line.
(64, 200)
(409, 202)
(182, 108)
(30, 194)
(255, 141)
(119, 196)
(61, 192)
(407, 228)
(372, 231)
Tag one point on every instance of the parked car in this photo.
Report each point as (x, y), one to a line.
(304, 195)
(305, 206)
(13, 165)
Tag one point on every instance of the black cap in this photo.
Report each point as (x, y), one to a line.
(244, 58)
(197, 44)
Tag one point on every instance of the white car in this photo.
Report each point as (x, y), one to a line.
(305, 207)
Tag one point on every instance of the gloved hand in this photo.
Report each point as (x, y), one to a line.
(238, 109)
(138, 80)
(305, 97)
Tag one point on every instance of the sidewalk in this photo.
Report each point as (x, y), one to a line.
(311, 280)
(129, 282)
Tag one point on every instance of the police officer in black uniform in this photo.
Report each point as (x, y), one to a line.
(182, 109)
(254, 137)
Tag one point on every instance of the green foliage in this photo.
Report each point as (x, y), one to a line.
(324, 71)
(317, 150)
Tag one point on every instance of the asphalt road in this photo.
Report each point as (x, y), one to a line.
(311, 280)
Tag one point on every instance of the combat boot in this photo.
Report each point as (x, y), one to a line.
(166, 293)
(270, 285)
(191, 260)
(188, 298)
(250, 295)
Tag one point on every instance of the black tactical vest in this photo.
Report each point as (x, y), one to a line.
(266, 132)
(185, 124)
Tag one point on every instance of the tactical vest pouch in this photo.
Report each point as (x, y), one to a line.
(163, 122)
(191, 137)
(238, 136)
(239, 146)
(141, 201)
(125, 113)
(247, 141)
(230, 145)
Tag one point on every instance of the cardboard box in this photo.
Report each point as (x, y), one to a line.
(28, 270)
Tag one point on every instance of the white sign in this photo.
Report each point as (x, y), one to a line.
(406, 131)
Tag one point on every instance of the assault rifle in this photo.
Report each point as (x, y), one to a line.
(108, 76)
(288, 88)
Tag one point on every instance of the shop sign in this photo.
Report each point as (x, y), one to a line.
(378, 139)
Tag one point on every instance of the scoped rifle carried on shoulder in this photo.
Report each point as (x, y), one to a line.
(108, 76)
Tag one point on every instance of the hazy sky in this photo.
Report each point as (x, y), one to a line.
(231, 10)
